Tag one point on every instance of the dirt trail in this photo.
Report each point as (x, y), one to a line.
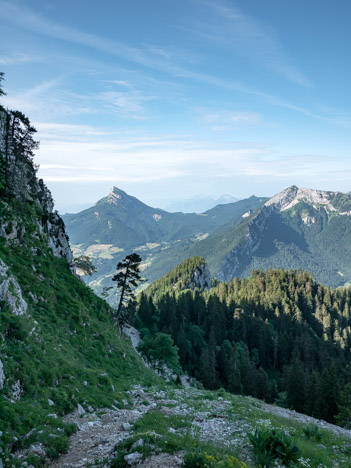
(96, 436)
(98, 433)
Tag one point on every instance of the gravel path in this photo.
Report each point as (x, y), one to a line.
(98, 433)
(96, 436)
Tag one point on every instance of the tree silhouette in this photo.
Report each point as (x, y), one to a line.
(127, 278)
(2, 75)
(84, 263)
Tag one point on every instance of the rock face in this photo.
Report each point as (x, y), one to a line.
(24, 186)
(300, 229)
(200, 278)
(10, 291)
(232, 261)
(293, 195)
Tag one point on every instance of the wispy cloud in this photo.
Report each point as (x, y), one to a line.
(50, 100)
(270, 98)
(18, 58)
(136, 158)
(128, 104)
(231, 29)
(227, 120)
(147, 56)
(227, 25)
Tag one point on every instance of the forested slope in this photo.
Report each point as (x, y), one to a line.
(279, 336)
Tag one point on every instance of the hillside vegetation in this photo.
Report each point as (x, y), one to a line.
(279, 336)
(59, 346)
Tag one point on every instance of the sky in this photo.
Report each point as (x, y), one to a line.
(170, 99)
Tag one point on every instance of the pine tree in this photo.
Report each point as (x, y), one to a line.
(295, 383)
(127, 278)
(144, 310)
(234, 377)
(344, 415)
(84, 263)
(2, 77)
(327, 394)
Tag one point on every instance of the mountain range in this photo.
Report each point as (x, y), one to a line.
(296, 229)
(72, 385)
(119, 223)
(199, 204)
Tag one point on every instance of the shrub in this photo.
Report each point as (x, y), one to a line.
(312, 431)
(270, 444)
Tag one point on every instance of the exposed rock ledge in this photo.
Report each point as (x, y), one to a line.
(10, 291)
(2, 375)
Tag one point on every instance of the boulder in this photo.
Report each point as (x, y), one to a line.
(133, 458)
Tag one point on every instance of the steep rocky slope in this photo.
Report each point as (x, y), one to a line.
(59, 347)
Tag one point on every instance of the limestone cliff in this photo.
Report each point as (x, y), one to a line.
(22, 186)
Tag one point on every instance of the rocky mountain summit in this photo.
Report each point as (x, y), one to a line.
(296, 229)
(291, 196)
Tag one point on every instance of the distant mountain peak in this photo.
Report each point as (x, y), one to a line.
(293, 195)
(114, 195)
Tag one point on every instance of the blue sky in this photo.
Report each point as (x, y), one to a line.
(168, 99)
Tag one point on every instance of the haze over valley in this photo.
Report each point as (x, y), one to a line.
(175, 234)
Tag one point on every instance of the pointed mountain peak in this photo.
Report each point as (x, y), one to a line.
(114, 195)
(118, 197)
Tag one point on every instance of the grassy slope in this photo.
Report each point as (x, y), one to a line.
(66, 348)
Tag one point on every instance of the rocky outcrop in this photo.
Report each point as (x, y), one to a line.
(236, 258)
(23, 185)
(114, 196)
(10, 291)
(200, 278)
(2, 375)
(11, 294)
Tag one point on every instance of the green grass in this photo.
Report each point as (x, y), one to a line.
(65, 348)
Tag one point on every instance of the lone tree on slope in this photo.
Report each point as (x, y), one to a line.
(127, 278)
(84, 264)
